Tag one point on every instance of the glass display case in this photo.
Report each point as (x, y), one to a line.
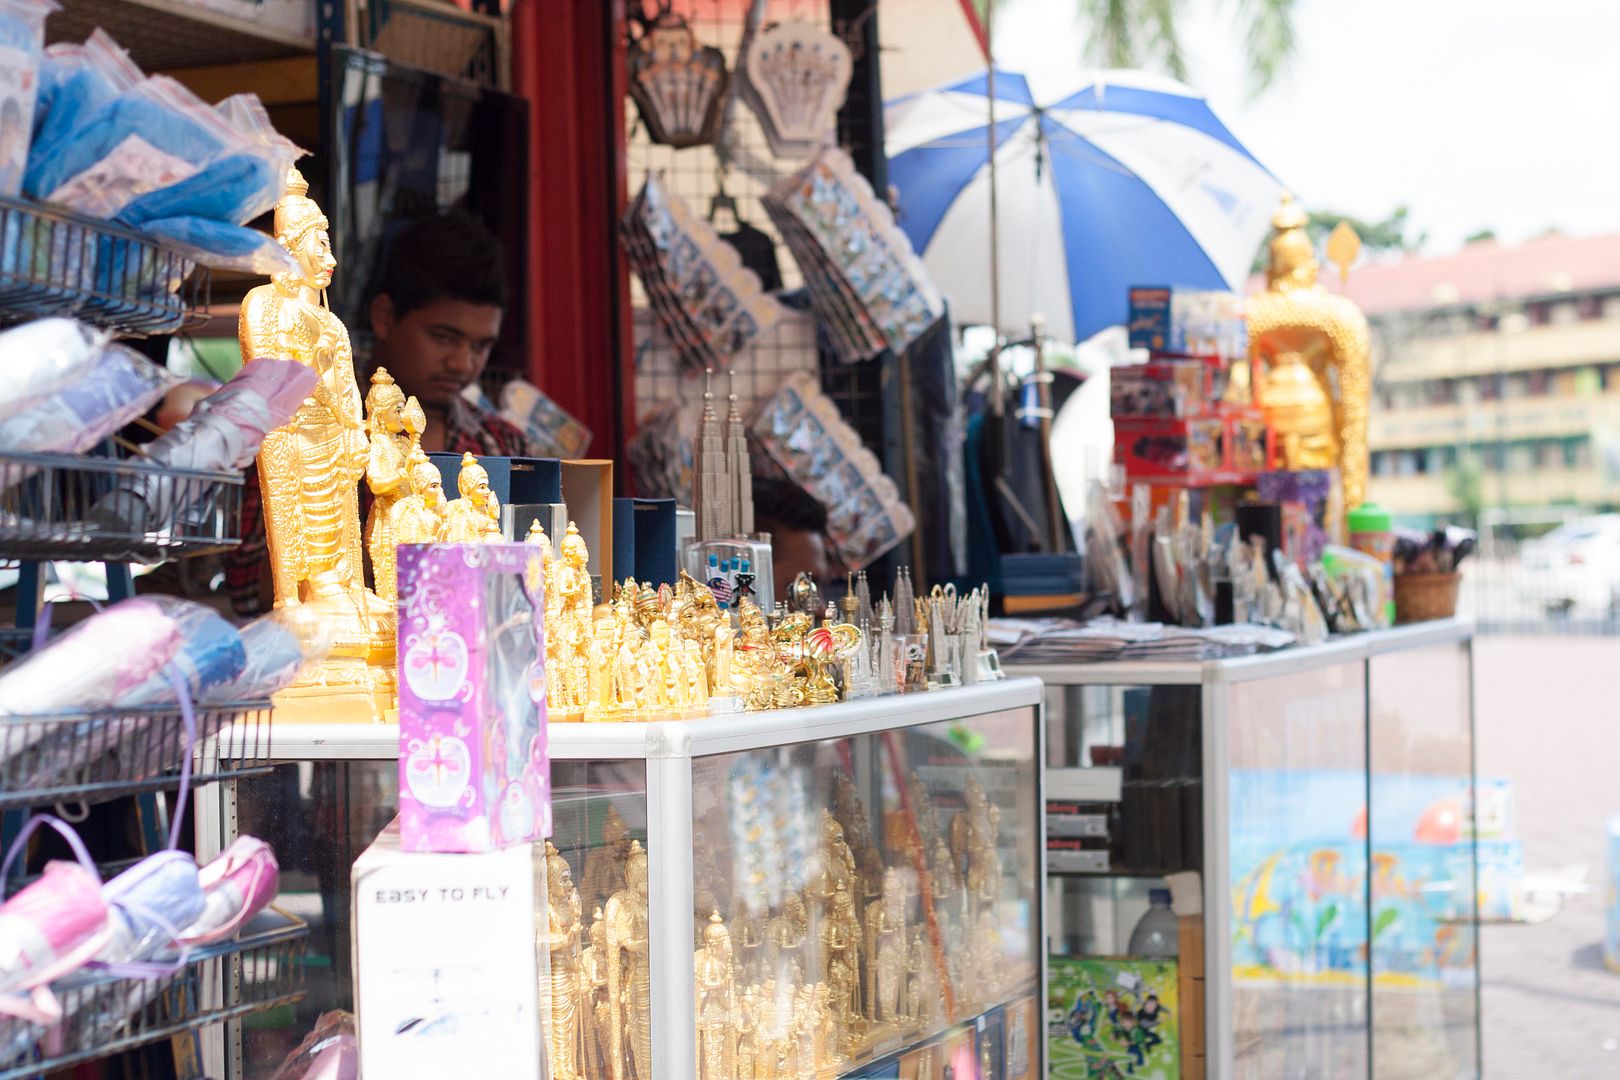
(850, 890)
(1324, 796)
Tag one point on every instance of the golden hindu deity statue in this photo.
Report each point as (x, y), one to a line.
(629, 981)
(605, 863)
(309, 474)
(1295, 323)
(394, 424)
(556, 708)
(574, 594)
(886, 947)
(562, 942)
(476, 516)
(753, 659)
(594, 1012)
(713, 994)
(418, 517)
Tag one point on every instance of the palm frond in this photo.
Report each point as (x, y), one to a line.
(1268, 39)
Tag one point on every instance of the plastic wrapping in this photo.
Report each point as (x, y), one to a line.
(153, 135)
(22, 40)
(329, 1052)
(221, 245)
(279, 647)
(75, 80)
(238, 884)
(98, 661)
(121, 385)
(42, 358)
(149, 904)
(223, 433)
(210, 653)
(234, 187)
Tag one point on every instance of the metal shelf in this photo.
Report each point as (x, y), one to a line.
(164, 35)
(103, 755)
(104, 1015)
(56, 506)
(56, 262)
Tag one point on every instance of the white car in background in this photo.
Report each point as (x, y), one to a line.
(1575, 569)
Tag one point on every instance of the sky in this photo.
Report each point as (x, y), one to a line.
(1476, 114)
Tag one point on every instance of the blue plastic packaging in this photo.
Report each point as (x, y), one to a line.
(22, 40)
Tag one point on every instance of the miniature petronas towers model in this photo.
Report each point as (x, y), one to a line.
(722, 482)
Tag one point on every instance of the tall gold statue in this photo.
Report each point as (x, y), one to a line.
(574, 594)
(629, 981)
(309, 472)
(394, 424)
(476, 516)
(562, 942)
(886, 949)
(1328, 336)
(594, 1012)
(713, 990)
(605, 863)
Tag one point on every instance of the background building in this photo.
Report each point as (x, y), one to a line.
(1496, 381)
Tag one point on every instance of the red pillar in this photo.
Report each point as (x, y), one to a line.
(568, 62)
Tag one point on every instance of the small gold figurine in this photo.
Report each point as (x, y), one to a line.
(886, 947)
(1294, 323)
(476, 516)
(387, 472)
(594, 1011)
(418, 518)
(309, 472)
(574, 595)
(605, 863)
(562, 942)
(629, 985)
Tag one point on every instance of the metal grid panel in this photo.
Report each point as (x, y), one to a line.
(694, 175)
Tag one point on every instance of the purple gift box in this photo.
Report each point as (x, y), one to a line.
(473, 770)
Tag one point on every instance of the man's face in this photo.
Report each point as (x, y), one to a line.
(793, 550)
(437, 350)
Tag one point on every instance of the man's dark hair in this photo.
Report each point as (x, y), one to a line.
(448, 256)
(786, 505)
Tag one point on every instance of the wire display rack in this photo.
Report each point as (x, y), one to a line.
(95, 756)
(105, 1015)
(83, 508)
(53, 262)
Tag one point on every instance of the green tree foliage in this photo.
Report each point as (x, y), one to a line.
(1145, 33)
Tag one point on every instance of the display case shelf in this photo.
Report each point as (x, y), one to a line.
(96, 756)
(55, 506)
(104, 1015)
(60, 263)
(162, 35)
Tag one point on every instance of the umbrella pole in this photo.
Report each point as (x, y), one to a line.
(997, 391)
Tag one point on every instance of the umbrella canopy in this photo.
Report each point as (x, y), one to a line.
(1127, 179)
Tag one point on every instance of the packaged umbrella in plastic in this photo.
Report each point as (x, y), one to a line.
(22, 41)
(121, 385)
(210, 653)
(43, 357)
(237, 884)
(279, 647)
(100, 660)
(221, 245)
(329, 1052)
(223, 433)
(243, 181)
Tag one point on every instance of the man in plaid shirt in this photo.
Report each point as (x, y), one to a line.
(435, 316)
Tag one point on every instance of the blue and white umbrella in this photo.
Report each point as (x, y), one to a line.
(1127, 179)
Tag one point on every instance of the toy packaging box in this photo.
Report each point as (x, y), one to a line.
(1112, 1018)
(447, 976)
(473, 769)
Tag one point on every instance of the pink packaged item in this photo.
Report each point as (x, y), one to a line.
(238, 884)
(473, 770)
(50, 929)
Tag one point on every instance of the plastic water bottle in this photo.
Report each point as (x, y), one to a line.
(1158, 932)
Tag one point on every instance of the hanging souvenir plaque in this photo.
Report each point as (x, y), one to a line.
(795, 77)
(678, 84)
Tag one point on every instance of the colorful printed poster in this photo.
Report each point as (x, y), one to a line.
(1112, 1019)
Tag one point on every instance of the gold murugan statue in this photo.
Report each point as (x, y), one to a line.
(713, 990)
(309, 474)
(594, 1013)
(1295, 323)
(562, 943)
(886, 948)
(394, 424)
(629, 981)
(574, 595)
(476, 516)
(605, 863)
(418, 518)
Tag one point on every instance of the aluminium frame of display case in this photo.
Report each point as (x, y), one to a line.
(1230, 695)
(669, 749)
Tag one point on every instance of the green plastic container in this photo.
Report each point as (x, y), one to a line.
(1372, 530)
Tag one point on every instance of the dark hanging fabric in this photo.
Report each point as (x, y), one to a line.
(758, 253)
